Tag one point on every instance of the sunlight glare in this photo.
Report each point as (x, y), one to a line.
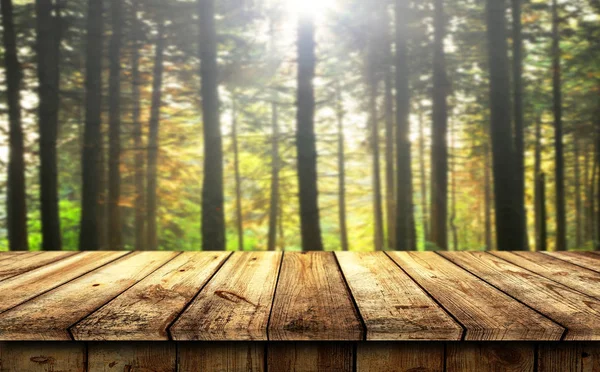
(308, 7)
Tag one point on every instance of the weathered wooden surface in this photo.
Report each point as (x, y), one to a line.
(232, 306)
(490, 357)
(146, 310)
(579, 313)
(310, 357)
(400, 356)
(270, 296)
(128, 356)
(222, 356)
(486, 313)
(43, 357)
(393, 306)
(312, 301)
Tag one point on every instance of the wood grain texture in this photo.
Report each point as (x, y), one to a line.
(132, 357)
(18, 289)
(569, 357)
(573, 276)
(490, 357)
(42, 357)
(579, 313)
(21, 263)
(391, 304)
(310, 357)
(235, 305)
(486, 313)
(47, 317)
(589, 260)
(400, 357)
(312, 301)
(13, 254)
(221, 356)
(144, 311)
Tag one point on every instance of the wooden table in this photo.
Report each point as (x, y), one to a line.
(256, 311)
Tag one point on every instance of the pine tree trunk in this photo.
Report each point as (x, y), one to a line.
(539, 242)
(90, 193)
(423, 175)
(439, 146)
(48, 74)
(341, 159)
(597, 181)
(390, 199)
(114, 127)
(578, 199)
(305, 137)
(238, 179)
(517, 62)
(274, 201)
(372, 85)
(140, 215)
(488, 200)
(453, 226)
(510, 233)
(213, 217)
(588, 192)
(152, 173)
(16, 191)
(543, 233)
(559, 175)
(102, 209)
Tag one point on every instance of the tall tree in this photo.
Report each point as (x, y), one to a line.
(236, 172)
(423, 176)
(15, 196)
(151, 178)
(88, 236)
(372, 86)
(559, 169)
(517, 64)
(47, 48)
(341, 161)
(487, 200)
(439, 145)
(275, 161)
(213, 220)
(509, 228)
(310, 228)
(114, 127)
(540, 243)
(388, 99)
(140, 218)
(578, 200)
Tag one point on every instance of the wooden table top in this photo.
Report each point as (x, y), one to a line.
(262, 296)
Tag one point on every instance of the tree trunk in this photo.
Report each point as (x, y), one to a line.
(587, 191)
(453, 226)
(140, 215)
(597, 180)
(341, 158)
(90, 193)
(439, 146)
(540, 244)
(274, 202)
(559, 175)
(372, 85)
(305, 137)
(152, 176)
(541, 211)
(488, 200)
(239, 222)
(213, 220)
(578, 199)
(510, 234)
(48, 74)
(114, 128)
(16, 192)
(423, 175)
(390, 200)
(517, 62)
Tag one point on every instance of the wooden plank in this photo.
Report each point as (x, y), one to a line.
(222, 356)
(48, 317)
(490, 357)
(579, 313)
(400, 356)
(589, 260)
(19, 264)
(312, 301)
(569, 357)
(132, 356)
(310, 357)
(486, 313)
(18, 289)
(391, 304)
(144, 311)
(235, 305)
(11, 254)
(573, 276)
(42, 357)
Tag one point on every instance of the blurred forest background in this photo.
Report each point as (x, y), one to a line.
(300, 124)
